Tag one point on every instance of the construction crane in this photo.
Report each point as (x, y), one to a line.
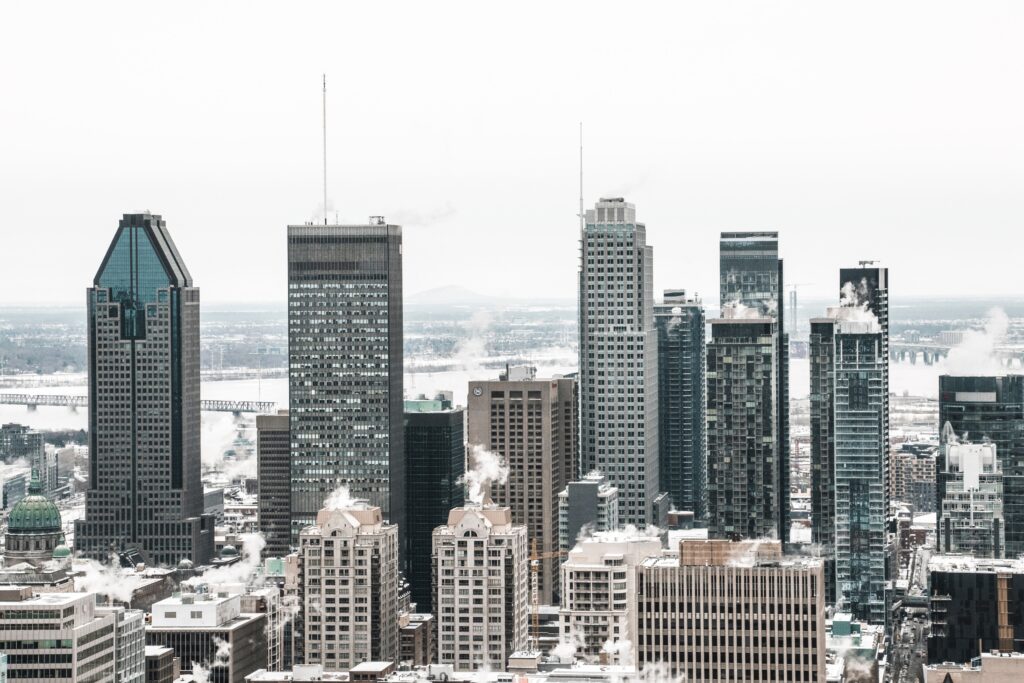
(535, 559)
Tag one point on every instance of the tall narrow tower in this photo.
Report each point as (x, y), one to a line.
(751, 277)
(619, 359)
(345, 367)
(145, 492)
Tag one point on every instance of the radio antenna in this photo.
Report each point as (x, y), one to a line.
(325, 148)
(582, 224)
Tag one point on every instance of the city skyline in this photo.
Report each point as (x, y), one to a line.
(783, 142)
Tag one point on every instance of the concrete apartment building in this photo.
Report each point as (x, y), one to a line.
(598, 580)
(530, 424)
(482, 595)
(349, 588)
(737, 611)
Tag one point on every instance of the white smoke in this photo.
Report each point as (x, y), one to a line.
(202, 672)
(112, 581)
(241, 572)
(472, 350)
(340, 499)
(619, 651)
(14, 468)
(976, 354)
(565, 651)
(855, 303)
(485, 469)
(745, 552)
(220, 432)
(737, 310)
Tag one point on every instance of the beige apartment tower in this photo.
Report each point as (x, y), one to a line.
(732, 611)
(481, 593)
(531, 425)
(349, 588)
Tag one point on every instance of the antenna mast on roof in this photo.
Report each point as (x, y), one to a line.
(325, 148)
(582, 220)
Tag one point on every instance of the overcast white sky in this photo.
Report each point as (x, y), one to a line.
(889, 131)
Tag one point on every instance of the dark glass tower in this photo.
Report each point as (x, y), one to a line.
(992, 408)
(751, 276)
(435, 462)
(144, 491)
(682, 439)
(345, 367)
(744, 480)
(273, 481)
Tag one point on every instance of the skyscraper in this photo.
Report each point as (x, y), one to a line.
(273, 481)
(435, 461)
(682, 437)
(618, 358)
(990, 408)
(849, 457)
(530, 424)
(744, 479)
(345, 367)
(751, 277)
(849, 410)
(144, 490)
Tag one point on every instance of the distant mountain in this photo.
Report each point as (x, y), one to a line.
(451, 295)
(456, 295)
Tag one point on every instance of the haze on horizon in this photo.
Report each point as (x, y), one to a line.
(867, 131)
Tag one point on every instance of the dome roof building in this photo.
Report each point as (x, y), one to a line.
(34, 529)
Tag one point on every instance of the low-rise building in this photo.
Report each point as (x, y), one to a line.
(735, 604)
(599, 581)
(416, 635)
(210, 633)
(56, 636)
(991, 667)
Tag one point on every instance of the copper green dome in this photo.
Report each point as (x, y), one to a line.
(61, 551)
(34, 513)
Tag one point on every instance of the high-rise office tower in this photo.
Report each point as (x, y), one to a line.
(732, 611)
(682, 438)
(990, 409)
(435, 460)
(751, 277)
(352, 619)
(274, 482)
(345, 367)
(971, 518)
(144, 490)
(744, 479)
(481, 587)
(530, 424)
(619, 360)
(849, 457)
